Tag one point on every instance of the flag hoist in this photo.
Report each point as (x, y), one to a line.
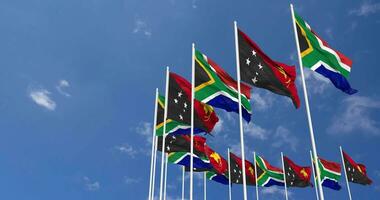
(240, 110)
(192, 119)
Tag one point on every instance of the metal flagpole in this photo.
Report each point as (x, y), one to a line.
(192, 120)
(204, 186)
(315, 181)
(257, 184)
(283, 167)
(183, 182)
(153, 145)
(164, 133)
(345, 173)
(307, 103)
(240, 111)
(229, 175)
(154, 166)
(166, 175)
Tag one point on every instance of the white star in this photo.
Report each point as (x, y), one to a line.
(247, 61)
(234, 170)
(185, 105)
(175, 100)
(184, 110)
(253, 52)
(254, 80)
(257, 73)
(179, 94)
(180, 117)
(260, 66)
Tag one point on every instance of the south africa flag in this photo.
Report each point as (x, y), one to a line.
(267, 175)
(330, 174)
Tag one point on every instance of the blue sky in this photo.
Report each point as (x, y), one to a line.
(78, 78)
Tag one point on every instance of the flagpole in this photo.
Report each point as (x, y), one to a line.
(240, 111)
(154, 166)
(283, 168)
(315, 181)
(183, 182)
(192, 120)
(345, 172)
(204, 186)
(229, 175)
(257, 184)
(166, 174)
(153, 143)
(307, 103)
(164, 133)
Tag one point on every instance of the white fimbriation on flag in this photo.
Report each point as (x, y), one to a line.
(345, 173)
(204, 186)
(192, 119)
(240, 110)
(315, 181)
(164, 134)
(154, 166)
(315, 154)
(183, 182)
(229, 175)
(152, 159)
(283, 168)
(257, 184)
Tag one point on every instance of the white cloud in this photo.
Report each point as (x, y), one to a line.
(262, 100)
(142, 27)
(91, 185)
(329, 32)
(275, 191)
(194, 4)
(218, 127)
(127, 149)
(366, 8)
(284, 137)
(145, 130)
(62, 84)
(41, 97)
(315, 82)
(256, 131)
(129, 180)
(356, 116)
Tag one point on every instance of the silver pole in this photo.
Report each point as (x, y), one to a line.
(153, 145)
(229, 175)
(345, 173)
(154, 166)
(204, 186)
(240, 111)
(183, 182)
(283, 167)
(257, 184)
(192, 120)
(315, 155)
(315, 181)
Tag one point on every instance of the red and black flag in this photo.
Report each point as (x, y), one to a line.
(257, 69)
(179, 105)
(296, 176)
(236, 168)
(181, 143)
(356, 172)
(217, 161)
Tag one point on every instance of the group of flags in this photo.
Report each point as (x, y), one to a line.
(213, 87)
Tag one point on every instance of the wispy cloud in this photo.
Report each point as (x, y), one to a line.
(256, 131)
(91, 185)
(145, 130)
(274, 191)
(62, 85)
(329, 32)
(141, 27)
(42, 98)
(262, 100)
(130, 180)
(316, 82)
(127, 149)
(355, 115)
(284, 137)
(194, 4)
(366, 8)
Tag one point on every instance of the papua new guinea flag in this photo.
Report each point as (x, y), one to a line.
(296, 176)
(330, 174)
(219, 164)
(267, 175)
(172, 127)
(257, 69)
(181, 143)
(356, 172)
(318, 56)
(215, 87)
(179, 105)
(236, 172)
